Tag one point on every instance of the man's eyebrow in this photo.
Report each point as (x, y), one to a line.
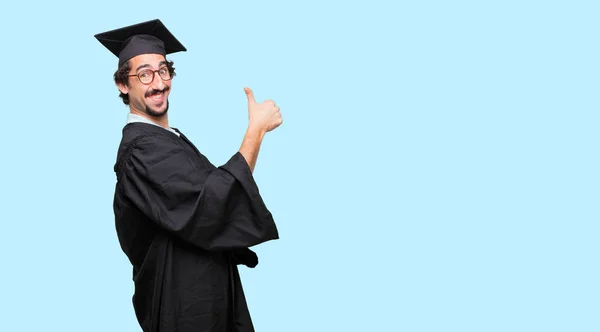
(142, 66)
(162, 63)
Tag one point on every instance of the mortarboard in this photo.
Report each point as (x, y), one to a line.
(150, 37)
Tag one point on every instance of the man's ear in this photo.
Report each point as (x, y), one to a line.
(123, 88)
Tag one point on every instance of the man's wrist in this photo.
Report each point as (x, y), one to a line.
(255, 132)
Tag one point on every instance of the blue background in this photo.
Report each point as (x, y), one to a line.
(437, 168)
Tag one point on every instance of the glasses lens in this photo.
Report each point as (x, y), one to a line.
(164, 73)
(146, 76)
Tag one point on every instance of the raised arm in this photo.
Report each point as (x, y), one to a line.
(214, 209)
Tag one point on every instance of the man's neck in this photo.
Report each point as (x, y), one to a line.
(162, 120)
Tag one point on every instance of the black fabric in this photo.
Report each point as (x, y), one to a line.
(141, 44)
(150, 37)
(185, 226)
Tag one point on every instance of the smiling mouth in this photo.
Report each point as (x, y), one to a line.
(156, 96)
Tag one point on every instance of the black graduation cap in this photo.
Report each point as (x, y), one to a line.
(150, 37)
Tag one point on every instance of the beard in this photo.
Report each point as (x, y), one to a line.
(153, 112)
(156, 113)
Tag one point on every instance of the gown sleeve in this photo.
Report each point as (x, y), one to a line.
(212, 208)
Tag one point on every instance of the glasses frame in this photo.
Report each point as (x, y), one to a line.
(153, 74)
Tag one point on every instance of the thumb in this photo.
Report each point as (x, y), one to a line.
(250, 96)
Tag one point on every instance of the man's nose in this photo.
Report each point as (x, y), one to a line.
(157, 82)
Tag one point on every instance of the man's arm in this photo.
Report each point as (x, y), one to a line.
(264, 117)
(213, 209)
(251, 145)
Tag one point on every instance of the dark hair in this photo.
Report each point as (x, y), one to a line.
(122, 76)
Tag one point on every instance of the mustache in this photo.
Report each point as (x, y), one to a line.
(153, 91)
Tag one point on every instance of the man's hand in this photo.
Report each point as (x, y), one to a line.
(264, 116)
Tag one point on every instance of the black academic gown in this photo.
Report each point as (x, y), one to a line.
(185, 225)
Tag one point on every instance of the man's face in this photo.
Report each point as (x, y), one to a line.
(150, 98)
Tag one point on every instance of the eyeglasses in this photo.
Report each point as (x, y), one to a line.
(146, 76)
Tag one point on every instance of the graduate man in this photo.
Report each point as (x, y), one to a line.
(184, 223)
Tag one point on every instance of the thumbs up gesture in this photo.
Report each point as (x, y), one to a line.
(264, 116)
